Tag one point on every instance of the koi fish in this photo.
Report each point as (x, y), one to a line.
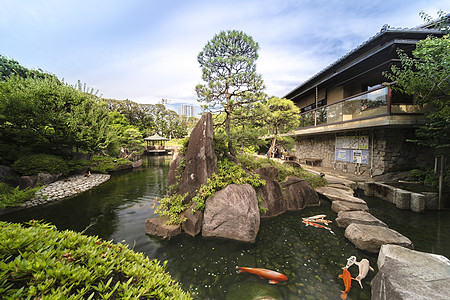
(315, 217)
(364, 267)
(274, 277)
(347, 283)
(309, 223)
(323, 221)
(350, 262)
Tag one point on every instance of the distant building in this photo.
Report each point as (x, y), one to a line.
(186, 110)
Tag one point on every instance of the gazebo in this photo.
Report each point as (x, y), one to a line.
(157, 143)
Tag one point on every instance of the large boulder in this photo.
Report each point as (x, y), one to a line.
(370, 238)
(346, 218)
(174, 172)
(158, 227)
(200, 159)
(272, 198)
(408, 274)
(298, 194)
(232, 213)
(268, 172)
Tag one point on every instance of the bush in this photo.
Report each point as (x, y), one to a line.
(105, 164)
(37, 163)
(14, 196)
(39, 262)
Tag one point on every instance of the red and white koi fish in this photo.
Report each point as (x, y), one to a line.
(323, 221)
(309, 223)
(274, 277)
(347, 283)
(364, 267)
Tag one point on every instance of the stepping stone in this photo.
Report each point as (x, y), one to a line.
(346, 218)
(334, 194)
(370, 238)
(158, 226)
(338, 206)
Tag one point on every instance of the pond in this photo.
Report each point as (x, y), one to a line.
(310, 257)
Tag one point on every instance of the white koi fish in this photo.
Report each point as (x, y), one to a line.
(364, 267)
(350, 262)
(315, 217)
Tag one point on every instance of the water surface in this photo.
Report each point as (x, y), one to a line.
(311, 258)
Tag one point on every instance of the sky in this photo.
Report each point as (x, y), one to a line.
(146, 50)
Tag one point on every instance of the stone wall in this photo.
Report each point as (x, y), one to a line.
(391, 151)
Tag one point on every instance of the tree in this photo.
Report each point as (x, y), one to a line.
(229, 70)
(282, 117)
(427, 76)
(10, 67)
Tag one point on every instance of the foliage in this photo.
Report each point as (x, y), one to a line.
(172, 207)
(229, 70)
(252, 163)
(10, 67)
(47, 116)
(133, 139)
(37, 163)
(105, 164)
(227, 173)
(10, 196)
(39, 262)
(428, 177)
(427, 76)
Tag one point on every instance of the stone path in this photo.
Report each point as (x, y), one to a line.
(65, 188)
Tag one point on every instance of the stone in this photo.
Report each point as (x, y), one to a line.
(341, 187)
(408, 274)
(431, 200)
(417, 202)
(200, 159)
(268, 172)
(334, 194)
(345, 218)
(45, 178)
(298, 194)
(338, 206)
(383, 191)
(192, 225)
(27, 181)
(232, 213)
(158, 227)
(174, 173)
(6, 173)
(272, 198)
(402, 199)
(370, 238)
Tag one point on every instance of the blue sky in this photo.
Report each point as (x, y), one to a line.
(145, 50)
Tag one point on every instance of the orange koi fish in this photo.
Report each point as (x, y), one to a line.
(347, 282)
(274, 277)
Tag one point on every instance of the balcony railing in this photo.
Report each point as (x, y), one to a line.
(364, 105)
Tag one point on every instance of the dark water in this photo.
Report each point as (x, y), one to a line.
(311, 258)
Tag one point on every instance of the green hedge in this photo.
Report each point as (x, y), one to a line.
(36, 163)
(39, 262)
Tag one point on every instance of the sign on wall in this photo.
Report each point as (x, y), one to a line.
(352, 149)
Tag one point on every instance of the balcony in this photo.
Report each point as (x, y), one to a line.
(369, 109)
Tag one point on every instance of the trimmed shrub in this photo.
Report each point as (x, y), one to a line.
(39, 262)
(36, 163)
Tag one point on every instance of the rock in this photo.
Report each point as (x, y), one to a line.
(408, 274)
(346, 218)
(27, 181)
(272, 197)
(232, 213)
(342, 188)
(201, 161)
(193, 223)
(137, 163)
(431, 200)
(370, 238)
(124, 167)
(6, 173)
(298, 194)
(402, 199)
(334, 194)
(268, 172)
(158, 227)
(417, 202)
(174, 172)
(338, 206)
(45, 178)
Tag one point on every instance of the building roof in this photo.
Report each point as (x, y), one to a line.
(155, 137)
(384, 39)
